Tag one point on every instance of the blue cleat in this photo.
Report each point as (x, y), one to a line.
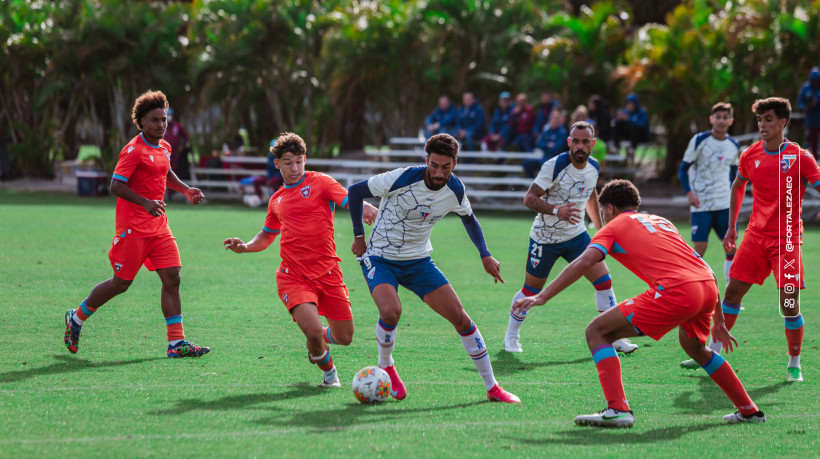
(186, 349)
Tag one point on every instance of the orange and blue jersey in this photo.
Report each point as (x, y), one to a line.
(652, 248)
(144, 167)
(779, 180)
(303, 214)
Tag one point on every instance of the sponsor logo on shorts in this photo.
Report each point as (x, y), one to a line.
(305, 191)
(694, 229)
(786, 162)
(117, 267)
(371, 273)
(285, 298)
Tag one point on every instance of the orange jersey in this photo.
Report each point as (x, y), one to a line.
(144, 168)
(779, 182)
(303, 213)
(652, 248)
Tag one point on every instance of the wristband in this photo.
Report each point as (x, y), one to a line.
(360, 235)
(555, 210)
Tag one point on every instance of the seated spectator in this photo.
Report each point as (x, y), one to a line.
(521, 122)
(809, 102)
(499, 125)
(544, 111)
(631, 123)
(212, 161)
(552, 141)
(470, 122)
(442, 120)
(600, 116)
(580, 114)
(273, 179)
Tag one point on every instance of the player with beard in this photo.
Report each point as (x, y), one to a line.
(563, 187)
(413, 199)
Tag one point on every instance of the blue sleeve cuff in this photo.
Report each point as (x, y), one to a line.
(599, 247)
(120, 178)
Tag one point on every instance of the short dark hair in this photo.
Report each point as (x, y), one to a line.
(288, 142)
(782, 108)
(442, 144)
(723, 107)
(149, 100)
(620, 193)
(582, 125)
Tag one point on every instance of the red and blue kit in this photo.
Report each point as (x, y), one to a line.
(682, 290)
(303, 214)
(774, 234)
(142, 238)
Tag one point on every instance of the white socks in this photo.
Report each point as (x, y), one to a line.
(386, 337)
(474, 345)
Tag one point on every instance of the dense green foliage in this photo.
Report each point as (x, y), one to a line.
(255, 394)
(349, 73)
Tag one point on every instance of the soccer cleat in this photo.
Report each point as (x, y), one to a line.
(738, 417)
(397, 389)
(607, 418)
(72, 332)
(498, 394)
(625, 346)
(331, 379)
(795, 375)
(511, 344)
(186, 349)
(690, 364)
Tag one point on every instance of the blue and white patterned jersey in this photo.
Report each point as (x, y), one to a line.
(408, 210)
(564, 183)
(711, 161)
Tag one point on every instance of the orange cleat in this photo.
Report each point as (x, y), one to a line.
(498, 394)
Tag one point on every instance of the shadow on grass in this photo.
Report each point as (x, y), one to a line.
(353, 414)
(507, 363)
(712, 398)
(66, 364)
(246, 401)
(593, 436)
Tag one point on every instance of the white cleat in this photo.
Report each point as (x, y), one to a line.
(331, 379)
(511, 344)
(625, 346)
(795, 375)
(607, 418)
(738, 417)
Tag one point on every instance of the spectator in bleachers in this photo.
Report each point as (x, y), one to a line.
(544, 111)
(552, 141)
(600, 116)
(443, 118)
(631, 123)
(470, 123)
(809, 102)
(522, 121)
(498, 137)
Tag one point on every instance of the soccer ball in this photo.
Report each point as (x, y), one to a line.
(252, 200)
(371, 385)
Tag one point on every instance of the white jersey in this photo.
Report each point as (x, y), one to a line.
(711, 161)
(564, 184)
(408, 211)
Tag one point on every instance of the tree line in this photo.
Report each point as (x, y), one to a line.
(345, 74)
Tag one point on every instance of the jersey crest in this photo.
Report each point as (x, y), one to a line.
(305, 191)
(787, 161)
(534, 262)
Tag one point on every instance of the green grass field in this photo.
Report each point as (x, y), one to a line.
(256, 394)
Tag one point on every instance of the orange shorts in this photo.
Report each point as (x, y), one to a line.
(328, 292)
(690, 306)
(127, 255)
(758, 256)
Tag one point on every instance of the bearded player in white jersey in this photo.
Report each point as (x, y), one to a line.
(413, 199)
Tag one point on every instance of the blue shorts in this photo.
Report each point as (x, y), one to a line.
(420, 276)
(543, 256)
(702, 222)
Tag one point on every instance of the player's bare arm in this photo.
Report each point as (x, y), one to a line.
(121, 189)
(568, 276)
(259, 243)
(594, 210)
(735, 201)
(173, 182)
(533, 201)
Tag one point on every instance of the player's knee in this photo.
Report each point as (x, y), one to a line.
(343, 338)
(390, 314)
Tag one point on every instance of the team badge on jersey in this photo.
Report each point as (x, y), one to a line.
(305, 191)
(535, 262)
(117, 267)
(425, 212)
(787, 161)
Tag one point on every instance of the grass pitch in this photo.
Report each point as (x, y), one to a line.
(256, 394)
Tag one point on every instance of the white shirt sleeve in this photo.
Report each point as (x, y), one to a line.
(380, 184)
(544, 177)
(691, 155)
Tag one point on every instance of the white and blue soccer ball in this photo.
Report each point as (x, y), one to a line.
(371, 385)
